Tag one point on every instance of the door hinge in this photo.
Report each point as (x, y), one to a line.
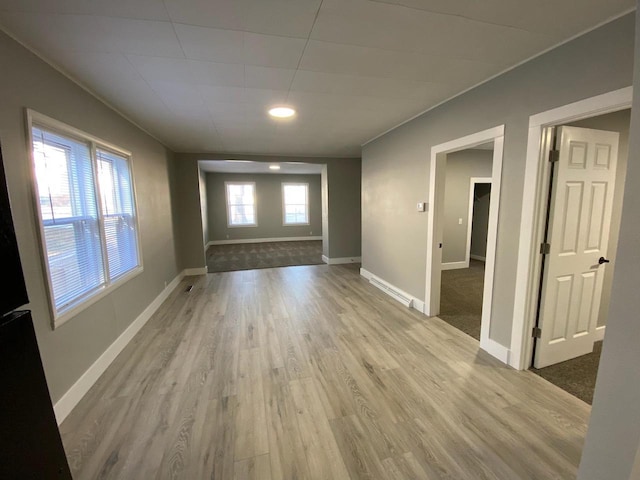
(545, 248)
(554, 155)
(536, 332)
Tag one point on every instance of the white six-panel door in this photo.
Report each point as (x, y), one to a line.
(579, 218)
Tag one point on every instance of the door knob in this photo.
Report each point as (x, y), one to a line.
(602, 260)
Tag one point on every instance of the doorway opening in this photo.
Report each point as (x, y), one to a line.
(491, 140)
(582, 221)
(465, 226)
(263, 215)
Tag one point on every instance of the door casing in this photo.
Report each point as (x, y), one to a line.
(535, 195)
(434, 229)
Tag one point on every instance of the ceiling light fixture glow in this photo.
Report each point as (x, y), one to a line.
(274, 167)
(282, 112)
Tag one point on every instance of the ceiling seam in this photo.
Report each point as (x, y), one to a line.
(173, 27)
(313, 24)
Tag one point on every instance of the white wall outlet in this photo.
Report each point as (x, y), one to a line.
(459, 221)
(421, 206)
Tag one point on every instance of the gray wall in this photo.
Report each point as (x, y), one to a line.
(615, 122)
(461, 166)
(343, 199)
(204, 204)
(613, 437)
(269, 207)
(72, 348)
(189, 231)
(395, 167)
(480, 222)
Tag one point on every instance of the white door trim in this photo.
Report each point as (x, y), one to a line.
(433, 269)
(473, 181)
(533, 211)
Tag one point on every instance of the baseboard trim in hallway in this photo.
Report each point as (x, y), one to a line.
(394, 292)
(340, 260)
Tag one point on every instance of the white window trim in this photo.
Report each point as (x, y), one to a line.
(60, 317)
(284, 210)
(255, 205)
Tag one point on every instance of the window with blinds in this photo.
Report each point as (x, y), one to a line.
(295, 199)
(87, 215)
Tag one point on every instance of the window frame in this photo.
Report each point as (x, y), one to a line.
(228, 205)
(59, 317)
(284, 205)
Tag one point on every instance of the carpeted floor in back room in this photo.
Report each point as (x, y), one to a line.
(249, 256)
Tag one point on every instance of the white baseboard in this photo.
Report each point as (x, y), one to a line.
(393, 291)
(70, 399)
(599, 335)
(187, 272)
(494, 349)
(478, 257)
(453, 265)
(340, 260)
(262, 240)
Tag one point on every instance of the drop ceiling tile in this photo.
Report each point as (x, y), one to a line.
(212, 44)
(176, 70)
(220, 74)
(272, 51)
(140, 9)
(530, 16)
(380, 25)
(226, 14)
(280, 17)
(263, 97)
(212, 94)
(267, 77)
(222, 115)
(372, 62)
(181, 98)
(141, 37)
(321, 82)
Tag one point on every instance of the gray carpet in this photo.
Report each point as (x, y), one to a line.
(249, 256)
(461, 298)
(576, 376)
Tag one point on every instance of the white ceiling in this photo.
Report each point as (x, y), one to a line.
(245, 166)
(200, 74)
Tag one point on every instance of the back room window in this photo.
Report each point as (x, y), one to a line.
(241, 204)
(295, 198)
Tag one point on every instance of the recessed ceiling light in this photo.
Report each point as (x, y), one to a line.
(274, 167)
(282, 112)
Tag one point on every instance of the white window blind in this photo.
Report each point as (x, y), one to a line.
(89, 239)
(241, 204)
(296, 203)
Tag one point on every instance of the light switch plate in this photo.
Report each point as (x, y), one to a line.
(420, 206)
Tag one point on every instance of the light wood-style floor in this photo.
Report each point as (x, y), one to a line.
(310, 372)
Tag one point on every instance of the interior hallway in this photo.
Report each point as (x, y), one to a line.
(311, 372)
